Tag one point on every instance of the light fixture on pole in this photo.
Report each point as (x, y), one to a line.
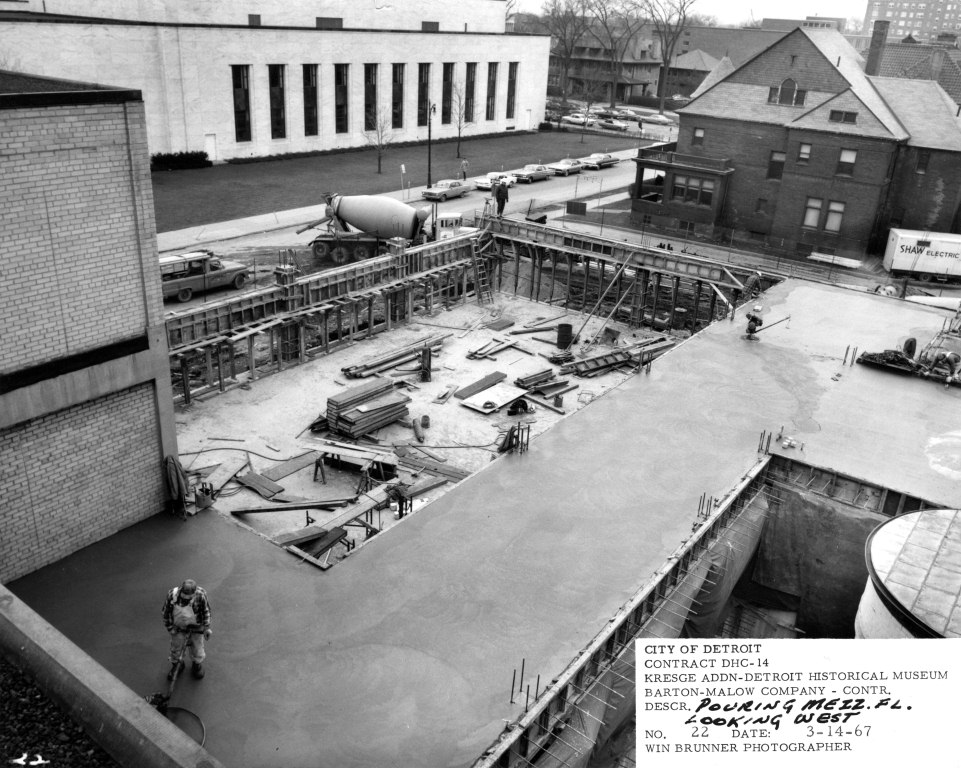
(430, 112)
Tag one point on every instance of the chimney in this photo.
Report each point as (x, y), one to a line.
(878, 36)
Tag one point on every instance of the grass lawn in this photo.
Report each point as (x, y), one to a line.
(235, 190)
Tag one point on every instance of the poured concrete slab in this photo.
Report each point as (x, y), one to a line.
(405, 651)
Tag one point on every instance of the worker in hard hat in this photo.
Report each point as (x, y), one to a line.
(754, 321)
(186, 616)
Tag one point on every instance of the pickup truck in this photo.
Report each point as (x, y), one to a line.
(532, 173)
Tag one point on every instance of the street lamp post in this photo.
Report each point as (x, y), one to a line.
(430, 112)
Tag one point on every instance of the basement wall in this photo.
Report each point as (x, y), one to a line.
(813, 548)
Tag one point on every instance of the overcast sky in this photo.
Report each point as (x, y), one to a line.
(732, 12)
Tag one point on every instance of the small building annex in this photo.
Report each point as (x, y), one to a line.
(273, 78)
(802, 150)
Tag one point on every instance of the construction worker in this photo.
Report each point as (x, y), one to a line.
(752, 286)
(754, 322)
(186, 616)
(500, 195)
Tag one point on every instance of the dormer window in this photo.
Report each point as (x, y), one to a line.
(787, 93)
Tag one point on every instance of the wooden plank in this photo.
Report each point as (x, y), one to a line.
(446, 396)
(500, 325)
(256, 482)
(544, 404)
(429, 453)
(296, 506)
(538, 329)
(227, 469)
(306, 558)
(494, 398)
(429, 483)
(300, 536)
(285, 468)
(480, 385)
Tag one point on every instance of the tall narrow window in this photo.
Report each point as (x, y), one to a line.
(804, 153)
(924, 156)
(423, 93)
(397, 96)
(240, 74)
(698, 137)
(775, 166)
(310, 100)
(370, 97)
(787, 93)
(447, 93)
(846, 162)
(511, 88)
(469, 86)
(278, 118)
(491, 90)
(812, 213)
(835, 213)
(341, 104)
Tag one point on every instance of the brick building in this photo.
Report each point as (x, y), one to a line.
(86, 413)
(219, 78)
(800, 149)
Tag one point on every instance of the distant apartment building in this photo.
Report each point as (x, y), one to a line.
(273, 78)
(923, 21)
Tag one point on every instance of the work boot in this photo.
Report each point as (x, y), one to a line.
(174, 669)
(197, 671)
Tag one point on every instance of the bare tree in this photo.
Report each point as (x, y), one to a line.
(567, 22)
(381, 135)
(458, 111)
(591, 92)
(669, 17)
(615, 24)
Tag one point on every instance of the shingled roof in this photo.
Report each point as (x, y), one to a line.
(924, 62)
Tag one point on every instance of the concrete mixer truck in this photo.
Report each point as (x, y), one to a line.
(359, 226)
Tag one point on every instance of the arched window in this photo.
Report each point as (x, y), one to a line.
(786, 93)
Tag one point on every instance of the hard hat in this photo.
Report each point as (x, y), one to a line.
(188, 587)
(758, 307)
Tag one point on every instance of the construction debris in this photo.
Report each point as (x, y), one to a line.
(480, 385)
(393, 359)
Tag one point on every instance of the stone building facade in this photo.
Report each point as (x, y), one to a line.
(86, 413)
(284, 80)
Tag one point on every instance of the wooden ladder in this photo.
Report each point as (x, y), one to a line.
(482, 284)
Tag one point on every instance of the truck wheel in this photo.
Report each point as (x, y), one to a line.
(184, 294)
(240, 280)
(321, 249)
(924, 277)
(339, 254)
(361, 252)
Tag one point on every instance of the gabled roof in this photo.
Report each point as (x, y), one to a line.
(724, 67)
(927, 112)
(924, 62)
(751, 98)
(697, 61)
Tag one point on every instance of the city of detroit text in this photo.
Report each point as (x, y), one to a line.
(696, 672)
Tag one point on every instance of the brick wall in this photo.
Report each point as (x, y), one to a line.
(79, 265)
(929, 200)
(73, 477)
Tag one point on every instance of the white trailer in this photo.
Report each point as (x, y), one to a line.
(923, 255)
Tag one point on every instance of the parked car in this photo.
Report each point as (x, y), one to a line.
(566, 166)
(680, 98)
(613, 125)
(657, 119)
(501, 177)
(198, 272)
(578, 118)
(628, 114)
(445, 189)
(599, 160)
(604, 114)
(531, 173)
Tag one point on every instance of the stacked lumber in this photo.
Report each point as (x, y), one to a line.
(394, 359)
(363, 409)
(535, 378)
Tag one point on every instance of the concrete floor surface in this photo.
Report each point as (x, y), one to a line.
(404, 652)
